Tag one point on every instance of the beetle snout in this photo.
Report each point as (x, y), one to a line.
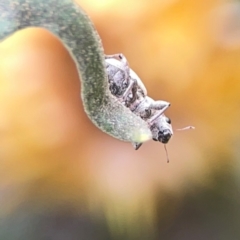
(164, 136)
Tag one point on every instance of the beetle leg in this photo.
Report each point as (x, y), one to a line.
(158, 105)
(121, 58)
(118, 56)
(149, 104)
(131, 89)
(140, 84)
(136, 145)
(159, 113)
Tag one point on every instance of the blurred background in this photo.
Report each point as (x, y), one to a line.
(62, 178)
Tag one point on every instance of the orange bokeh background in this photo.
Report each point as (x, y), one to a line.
(54, 158)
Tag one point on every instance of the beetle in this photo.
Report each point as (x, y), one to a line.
(128, 88)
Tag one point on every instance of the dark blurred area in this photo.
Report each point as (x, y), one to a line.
(62, 178)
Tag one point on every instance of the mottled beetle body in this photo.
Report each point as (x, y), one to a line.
(125, 84)
(118, 76)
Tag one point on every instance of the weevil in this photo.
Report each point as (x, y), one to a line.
(128, 88)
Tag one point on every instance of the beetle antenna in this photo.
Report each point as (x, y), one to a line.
(166, 151)
(185, 128)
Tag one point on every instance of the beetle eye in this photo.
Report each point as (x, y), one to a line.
(168, 120)
(148, 113)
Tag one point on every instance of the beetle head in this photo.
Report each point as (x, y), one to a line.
(161, 129)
